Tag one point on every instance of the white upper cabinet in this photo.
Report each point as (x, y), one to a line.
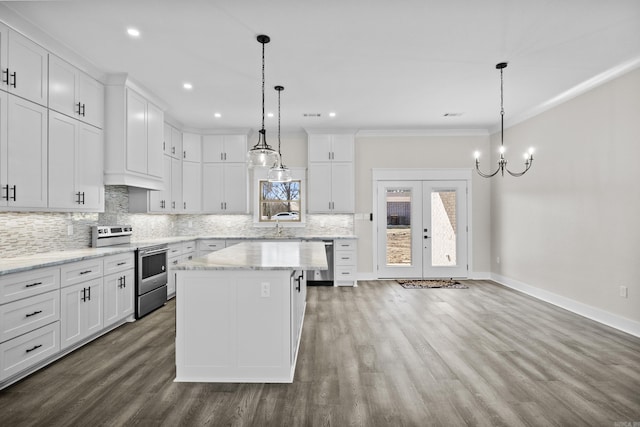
(331, 147)
(134, 139)
(191, 187)
(224, 148)
(191, 147)
(24, 67)
(75, 165)
(74, 93)
(23, 153)
(224, 188)
(331, 186)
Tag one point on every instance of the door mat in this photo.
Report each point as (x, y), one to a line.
(430, 284)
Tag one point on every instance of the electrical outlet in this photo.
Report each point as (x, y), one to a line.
(190, 224)
(623, 292)
(265, 290)
(497, 260)
(69, 230)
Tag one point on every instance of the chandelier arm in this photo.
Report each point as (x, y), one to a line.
(485, 175)
(519, 174)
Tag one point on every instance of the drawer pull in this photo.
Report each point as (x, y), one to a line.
(33, 284)
(34, 313)
(29, 350)
(85, 272)
(122, 263)
(345, 257)
(345, 273)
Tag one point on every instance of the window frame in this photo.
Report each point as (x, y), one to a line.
(261, 174)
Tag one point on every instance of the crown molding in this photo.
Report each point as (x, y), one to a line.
(574, 92)
(421, 132)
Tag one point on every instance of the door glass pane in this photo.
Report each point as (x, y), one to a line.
(443, 228)
(398, 226)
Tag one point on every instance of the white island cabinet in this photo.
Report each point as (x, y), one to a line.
(239, 312)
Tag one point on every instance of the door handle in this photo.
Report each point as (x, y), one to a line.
(14, 79)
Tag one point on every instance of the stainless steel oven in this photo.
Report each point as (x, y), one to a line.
(151, 278)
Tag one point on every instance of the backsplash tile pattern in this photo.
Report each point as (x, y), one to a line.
(242, 226)
(27, 233)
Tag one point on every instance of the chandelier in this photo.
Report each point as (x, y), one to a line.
(279, 172)
(502, 163)
(262, 154)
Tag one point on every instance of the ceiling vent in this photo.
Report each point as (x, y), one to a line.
(312, 115)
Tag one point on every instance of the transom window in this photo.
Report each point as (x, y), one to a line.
(280, 201)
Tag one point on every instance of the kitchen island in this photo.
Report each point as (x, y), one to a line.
(239, 311)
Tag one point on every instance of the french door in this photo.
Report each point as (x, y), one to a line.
(422, 229)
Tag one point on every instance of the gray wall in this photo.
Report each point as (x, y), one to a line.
(571, 225)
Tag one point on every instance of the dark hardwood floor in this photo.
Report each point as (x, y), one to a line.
(376, 355)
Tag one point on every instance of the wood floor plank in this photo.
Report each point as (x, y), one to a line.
(375, 355)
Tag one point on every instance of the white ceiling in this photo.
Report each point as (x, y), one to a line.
(378, 64)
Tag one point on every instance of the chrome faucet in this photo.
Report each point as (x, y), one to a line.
(278, 228)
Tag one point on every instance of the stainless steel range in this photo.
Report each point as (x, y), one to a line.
(151, 266)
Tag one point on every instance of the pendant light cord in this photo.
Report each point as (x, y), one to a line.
(262, 88)
(279, 126)
(501, 108)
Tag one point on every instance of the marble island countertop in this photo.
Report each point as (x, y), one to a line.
(262, 256)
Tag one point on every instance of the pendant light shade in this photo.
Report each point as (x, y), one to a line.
(261, 154)
(279, 172)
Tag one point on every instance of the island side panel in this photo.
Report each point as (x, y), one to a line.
(233, 326)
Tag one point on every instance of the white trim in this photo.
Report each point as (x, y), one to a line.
(407, 174)
(480, 275)
(420, 132)
(575, 91)
(613, 320)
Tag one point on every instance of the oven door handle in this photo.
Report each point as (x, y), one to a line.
(156, 251)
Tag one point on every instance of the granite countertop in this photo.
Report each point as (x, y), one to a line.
(51, 259)
(262, 256)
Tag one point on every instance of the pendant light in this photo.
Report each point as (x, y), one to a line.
(279, 172)
(262, 155)
(502, 163)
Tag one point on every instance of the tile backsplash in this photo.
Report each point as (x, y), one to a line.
(27, 233)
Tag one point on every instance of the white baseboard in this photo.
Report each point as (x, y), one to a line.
(367, 276)
(480, 275)
(613, 320)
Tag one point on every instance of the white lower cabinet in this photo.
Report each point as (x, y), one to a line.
(345, 262)
(178, 252)
(29, 349)
(206, 246)
(118, 296)
(81, 309)
(47, 310)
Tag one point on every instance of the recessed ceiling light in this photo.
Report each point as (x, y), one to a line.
(133, 32)
(332, 114)
(187, 86)
(269, 114)
(217, 115)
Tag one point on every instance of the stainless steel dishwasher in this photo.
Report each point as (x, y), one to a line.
(323, 277)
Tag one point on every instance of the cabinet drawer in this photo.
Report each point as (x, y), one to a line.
(188, 247)
(25, 315)
(120, 262)
(22, 285)
(175, 250)
(81, 271)
(211, 245)
(345, 273)
(26, 350)
(345, 258)
(344, 245)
